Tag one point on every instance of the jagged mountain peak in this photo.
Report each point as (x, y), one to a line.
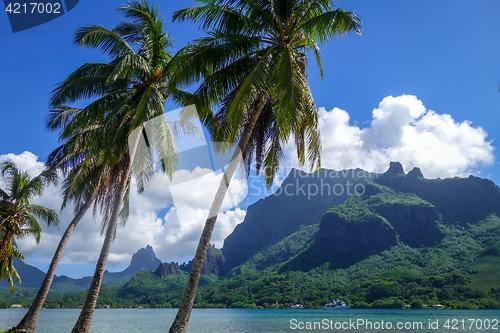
(143, 259)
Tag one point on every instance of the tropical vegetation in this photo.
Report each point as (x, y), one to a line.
(252, 94)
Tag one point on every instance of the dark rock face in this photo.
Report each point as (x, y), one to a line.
(214, 263)
(351, 240)
(368, 225)
(167, 269)
(395, 168)
(415, 225)
(301, 200)
(415, 173)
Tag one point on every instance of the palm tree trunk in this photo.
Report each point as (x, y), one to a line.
(181, 320)
(29, 322)
(84, 320)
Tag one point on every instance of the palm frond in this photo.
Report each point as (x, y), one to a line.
(221, 19)
(43, 213)
(326, 26)
(107, 41)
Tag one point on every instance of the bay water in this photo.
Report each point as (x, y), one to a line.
(265, 320)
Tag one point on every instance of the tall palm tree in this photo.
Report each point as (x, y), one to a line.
(86, 183)
(252, 68)
(18, 217)
(129, 91)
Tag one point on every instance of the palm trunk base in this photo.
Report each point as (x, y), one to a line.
(24, 325)
(15, 330)
(29, 321)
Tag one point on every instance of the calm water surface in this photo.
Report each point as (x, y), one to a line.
(264, 321)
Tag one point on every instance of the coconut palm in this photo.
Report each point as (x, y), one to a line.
(18, 217)
(252, 68)
(128, 91)
(86, 182)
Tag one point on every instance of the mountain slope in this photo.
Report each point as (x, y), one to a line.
(367, 225)
(414, 207)
(301, 200)
(143, 260)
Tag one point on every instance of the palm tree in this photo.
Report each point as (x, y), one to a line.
(86, 183)
(252, 68)
(18, 217)
(129, 91)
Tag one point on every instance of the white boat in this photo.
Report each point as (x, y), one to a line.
(337, 305)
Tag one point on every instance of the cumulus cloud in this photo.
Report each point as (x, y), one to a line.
(402, 129)
(27, 161)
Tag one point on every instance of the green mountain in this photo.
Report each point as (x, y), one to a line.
(403, 240)
(368, 225)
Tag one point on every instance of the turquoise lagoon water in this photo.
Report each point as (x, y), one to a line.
(266, 320)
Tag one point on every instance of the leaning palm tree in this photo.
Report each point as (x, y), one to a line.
(252, 68)
(86, 182)
(129, 91)
(18, 217)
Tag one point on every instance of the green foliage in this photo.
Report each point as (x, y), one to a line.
(280, 252)
(444, 274)
(486, 273)
(417, 304)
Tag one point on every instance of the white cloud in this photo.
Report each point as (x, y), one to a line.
(402, 130)
(26, 161)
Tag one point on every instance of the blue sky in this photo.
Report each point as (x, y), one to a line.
(445, 53)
